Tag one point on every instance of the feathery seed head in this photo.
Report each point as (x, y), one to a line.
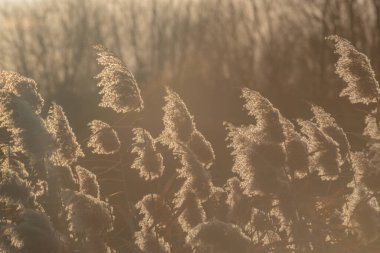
(201, 148)
(193, 212)
(22, 87)
(27, 130)
(67, 149)
(267, 117)
(154, 211)
(178, 123)
(104, 139)
(148, 162)
(87, 214)
(88, 184)
(297, 155)
(198, 179)
(325, 153)
(119, 88)
(355, 69)
(327, 123)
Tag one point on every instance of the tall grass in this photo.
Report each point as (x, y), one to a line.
(298, 185)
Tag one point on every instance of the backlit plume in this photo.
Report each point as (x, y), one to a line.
(259, 155)
(178, 123)
(104, 139)
(148, 162)
(27, 129)
(180, 132)
(355, 69)
(268, 123)
(88, 184)
(67, 149)
(119, 88)
(327, 123)
(22, 87)
(325, 153)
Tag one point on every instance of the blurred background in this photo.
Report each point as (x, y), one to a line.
(206, 50)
